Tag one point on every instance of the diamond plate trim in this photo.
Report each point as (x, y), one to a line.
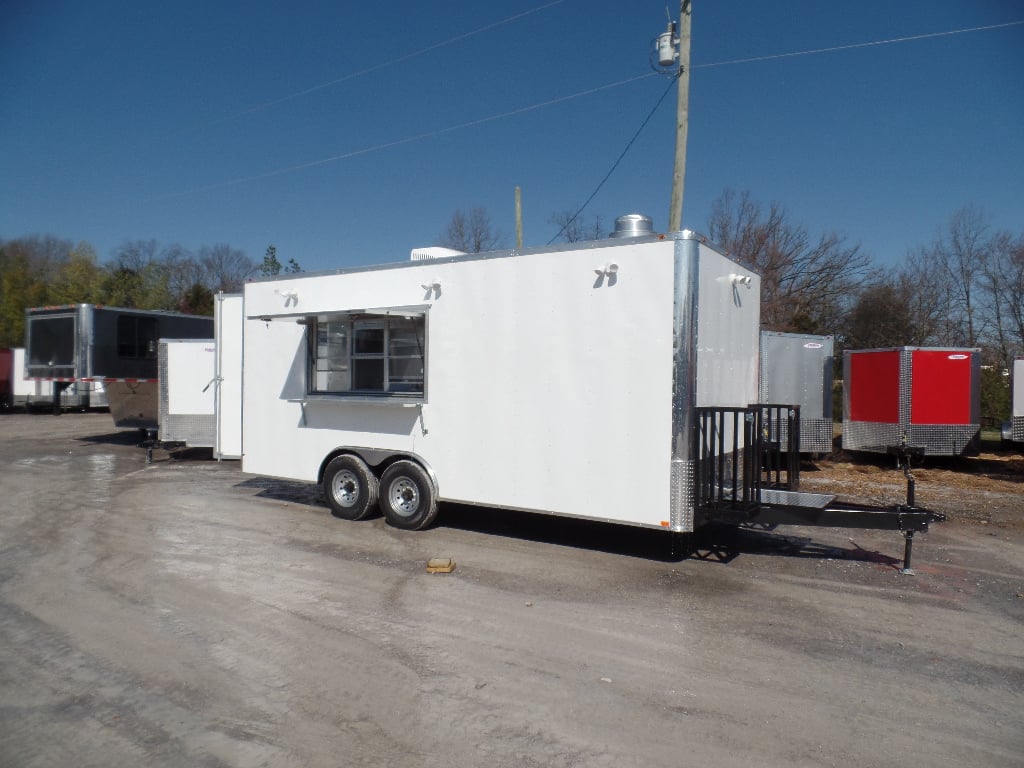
(681, 495)
(815, 435)
(870, 436)
(195, 430)
(945, 439)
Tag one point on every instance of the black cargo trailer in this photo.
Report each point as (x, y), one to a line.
(112, 345)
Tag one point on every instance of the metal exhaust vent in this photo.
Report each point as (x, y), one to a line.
(633, 225)
(433, 252)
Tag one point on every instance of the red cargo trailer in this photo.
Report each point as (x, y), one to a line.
(925, 397)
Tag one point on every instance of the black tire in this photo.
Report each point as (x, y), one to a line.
(350, 488)
(407, 496)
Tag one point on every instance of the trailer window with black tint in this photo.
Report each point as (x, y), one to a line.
(137, 336)
(367, 354)
(51, 345)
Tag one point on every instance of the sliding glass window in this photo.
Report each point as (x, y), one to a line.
(368, 354)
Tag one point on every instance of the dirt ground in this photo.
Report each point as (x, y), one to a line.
(987, 488)
(182, 613)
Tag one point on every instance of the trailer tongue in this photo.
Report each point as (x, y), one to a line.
(756, 479)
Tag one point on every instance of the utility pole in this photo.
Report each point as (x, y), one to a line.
(675, 214)
(519, 219)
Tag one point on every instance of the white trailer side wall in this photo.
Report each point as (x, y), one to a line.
(27, 390)
(548, 386)
(186, 368)
(728, 314)
(228, 324)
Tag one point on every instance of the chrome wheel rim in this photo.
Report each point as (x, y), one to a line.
(345, 488)
(404, 496)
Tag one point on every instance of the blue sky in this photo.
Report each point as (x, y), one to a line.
(205, 122)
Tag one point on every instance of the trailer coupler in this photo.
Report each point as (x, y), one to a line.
(151, 439)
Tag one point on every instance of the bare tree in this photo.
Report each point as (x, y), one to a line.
(470, 234)
(888, 313)
(1002, 283)
(225, 268)
(806, 284)
(574, 227)
(958, 258)
(143, 275)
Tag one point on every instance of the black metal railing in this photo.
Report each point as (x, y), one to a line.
(742, 450)
(727, 476)
(780, 436)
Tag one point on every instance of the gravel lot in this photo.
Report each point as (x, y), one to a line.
(185, 614)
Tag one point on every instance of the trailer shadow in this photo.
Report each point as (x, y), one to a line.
(592, 535)
(137, 439)
(285, 490)
(773, 541)
(712, 543)
(121, 437)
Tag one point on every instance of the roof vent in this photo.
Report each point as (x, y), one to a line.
(633, 225)
(433, 252)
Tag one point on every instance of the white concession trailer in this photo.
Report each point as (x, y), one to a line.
(558, 381)
(613, 381)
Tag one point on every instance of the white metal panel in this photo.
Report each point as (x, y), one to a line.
(190, 369)
(1018, 387)
(26, 390)
(229, 322)
(728, 318)
(796, 369)
(98, 396)
(548, 379)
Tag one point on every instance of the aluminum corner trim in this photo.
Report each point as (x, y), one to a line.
(684, 381)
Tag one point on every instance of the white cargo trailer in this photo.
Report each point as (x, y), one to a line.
(1017, 415)
(796, 369)
(609, 381)
(187, 373)
(200, 387)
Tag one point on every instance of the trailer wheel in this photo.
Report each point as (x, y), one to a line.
(350, 488)
(407, 496)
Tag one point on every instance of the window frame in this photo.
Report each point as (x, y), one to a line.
(136, 337)
(350, 320)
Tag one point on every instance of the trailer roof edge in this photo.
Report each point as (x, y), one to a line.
(610, 242)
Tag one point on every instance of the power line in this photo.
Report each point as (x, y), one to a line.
(408, 139)
(381, 65)
(618, 159)
(858, 45)
(550, 102)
